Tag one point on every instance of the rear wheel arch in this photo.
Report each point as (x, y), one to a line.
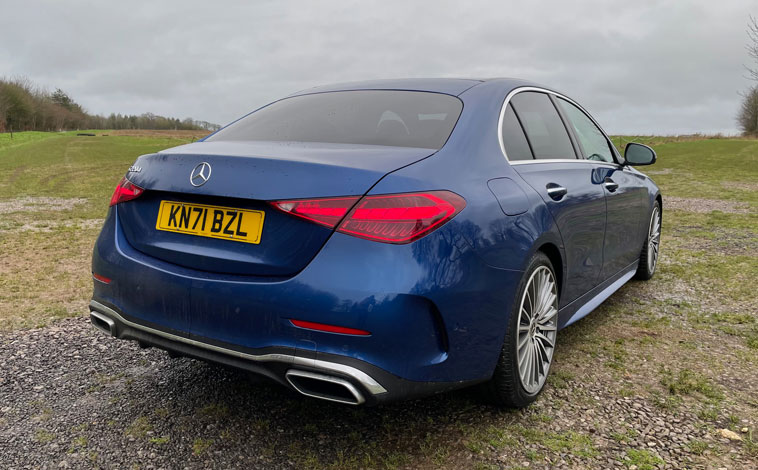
(554, 255)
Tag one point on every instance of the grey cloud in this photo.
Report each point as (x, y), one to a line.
(641, 67)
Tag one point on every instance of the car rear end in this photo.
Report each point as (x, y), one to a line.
(265, 248)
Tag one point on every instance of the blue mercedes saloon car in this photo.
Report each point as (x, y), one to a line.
(381, 240)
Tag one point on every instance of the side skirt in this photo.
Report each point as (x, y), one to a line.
(585, 304)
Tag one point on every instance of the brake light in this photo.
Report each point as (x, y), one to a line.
(389, 218)
(125, 191)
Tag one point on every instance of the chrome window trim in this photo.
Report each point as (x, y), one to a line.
(518, 90)
(562, 160)
(366, 380)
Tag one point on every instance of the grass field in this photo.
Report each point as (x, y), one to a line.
(682, 348)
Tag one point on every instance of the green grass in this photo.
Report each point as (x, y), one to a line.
(707, 168)
(139, 428)
(688, 382)
(44, 436)
(17, 139)
(73, 167)
(45, 274)
(642, 459)
(201, 446)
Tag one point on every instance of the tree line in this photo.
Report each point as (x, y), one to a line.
(27, 107)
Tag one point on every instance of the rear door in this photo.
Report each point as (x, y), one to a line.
(626, 195)
(568, 185)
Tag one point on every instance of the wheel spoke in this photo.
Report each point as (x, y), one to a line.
(544, 340)
(530, 376)
(547, 319)
(531, 307)
(523, 341)
(542, 353)
(549, 312)
(528, 365)
(545, 293)
(537, 362)
(523, 359)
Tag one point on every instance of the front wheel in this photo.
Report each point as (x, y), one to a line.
(527, 352)
(650, 251)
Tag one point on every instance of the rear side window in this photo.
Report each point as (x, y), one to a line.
(367, 117)
(591, 138)
(543, 126)
(514, 140)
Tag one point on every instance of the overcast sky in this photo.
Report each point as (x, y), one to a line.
(643, 66)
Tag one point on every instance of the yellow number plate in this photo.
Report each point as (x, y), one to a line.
(226, 223)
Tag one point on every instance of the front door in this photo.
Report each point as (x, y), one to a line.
(625, 193)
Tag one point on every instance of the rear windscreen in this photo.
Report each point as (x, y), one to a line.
(367, 117)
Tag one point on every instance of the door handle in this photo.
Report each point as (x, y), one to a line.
(555, 191)
(610, 185)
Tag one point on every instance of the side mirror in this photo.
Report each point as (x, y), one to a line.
(638, 154)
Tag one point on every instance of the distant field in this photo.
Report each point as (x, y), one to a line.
(54, 193)
(653, 376)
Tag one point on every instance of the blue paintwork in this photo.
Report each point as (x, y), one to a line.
(627, 217)
(436, 308)
(265, 170)
(512, 199)
(580, 217)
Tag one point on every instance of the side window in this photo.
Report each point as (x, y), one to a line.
(593, 142)
(514, 140)
(543, 126)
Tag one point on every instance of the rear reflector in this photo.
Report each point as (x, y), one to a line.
(389, 218)
(100, 278)
(125, 191)
(329, 328)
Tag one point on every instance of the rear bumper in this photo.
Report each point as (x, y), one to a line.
(435, 312)
(331, 377)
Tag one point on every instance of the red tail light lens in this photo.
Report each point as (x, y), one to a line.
(125, 191)
(401, 218)
(390, 218)
(326, 212)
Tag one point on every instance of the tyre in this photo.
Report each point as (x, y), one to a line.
(527, 352)
(650, 251)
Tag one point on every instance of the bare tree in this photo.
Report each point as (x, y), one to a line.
(748, 115)
(747, 118)
(752, 47)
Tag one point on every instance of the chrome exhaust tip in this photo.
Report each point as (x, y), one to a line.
(325, 387)
(102, 322)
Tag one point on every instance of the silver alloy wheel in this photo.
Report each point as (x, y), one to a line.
(537, 328)
(653, 240)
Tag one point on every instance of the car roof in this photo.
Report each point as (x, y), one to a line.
(450, 86)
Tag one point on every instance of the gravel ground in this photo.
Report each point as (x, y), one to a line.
(39, 204)
(704, 206)
(71, 397)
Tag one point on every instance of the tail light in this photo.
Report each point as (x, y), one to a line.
(327, 212)
(125, 191)
(389, 218)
